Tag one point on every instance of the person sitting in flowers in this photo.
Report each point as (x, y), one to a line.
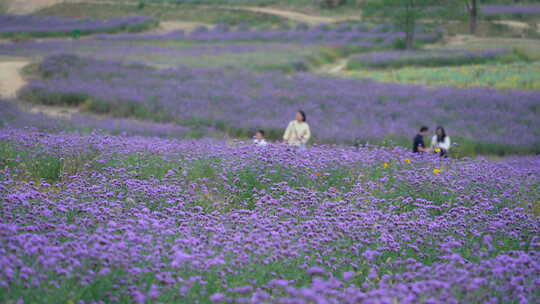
(418, 141)
(440, 142)
(259, 139)
(298, 133)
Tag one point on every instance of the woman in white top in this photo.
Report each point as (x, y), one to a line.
(440, 142)
(297, 133)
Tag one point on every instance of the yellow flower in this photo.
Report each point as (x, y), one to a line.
(437, 150)
(436, 171)
(385, 165)
(408, 161)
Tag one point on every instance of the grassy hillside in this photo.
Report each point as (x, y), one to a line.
(183, 12)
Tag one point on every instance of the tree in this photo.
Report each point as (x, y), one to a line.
(331, 3)
(472, 10)
(405, 14)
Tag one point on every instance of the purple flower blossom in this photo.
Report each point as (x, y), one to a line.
(218, 298)
(316, 270)
(348, 275)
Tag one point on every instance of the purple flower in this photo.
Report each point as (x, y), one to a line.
(218, 298)
(348, 275)
(180, 258)
(316, 271)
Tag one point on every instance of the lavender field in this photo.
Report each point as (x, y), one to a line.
(13, 25)
(505, 10)
(238, 101)
(288, 49)
(13, 116)
(104, 219)
(128, 171)
(437, 57)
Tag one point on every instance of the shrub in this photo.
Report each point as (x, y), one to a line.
(435, 57)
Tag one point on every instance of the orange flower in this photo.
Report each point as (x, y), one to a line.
(318, 174)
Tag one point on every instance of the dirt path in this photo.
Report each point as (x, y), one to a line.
(291, 15)
(482, 42)
(11, 81)
(30, 6)
(295, 16)
(10, 77)
(513, 24)
(518, 25)
(169, 26)
(51, 111)
(21, 7)
(335, 68)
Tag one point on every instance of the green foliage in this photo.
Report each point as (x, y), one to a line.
(27, 165)
(34, 164)
(515, 75)
(331, 4)
(141, 5)
(76, 34)
(426, 59)
(405, 13)
(47, 97)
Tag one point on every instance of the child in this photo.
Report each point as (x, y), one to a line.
(259, 139)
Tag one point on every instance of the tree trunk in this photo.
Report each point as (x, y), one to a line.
(410, 27)
(409, 38)
(473, 17)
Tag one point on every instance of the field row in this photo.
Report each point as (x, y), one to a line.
(518, 75)
(237, 102)
(12, 25)
(139, 220)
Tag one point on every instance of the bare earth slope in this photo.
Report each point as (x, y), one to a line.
(28, 6)
(295, 16)
(10, 77)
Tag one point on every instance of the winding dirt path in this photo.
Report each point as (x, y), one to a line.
(484, 42)
(10, 77)
(11, 80)
(170, 26)
(337, 68)
(21, 7)
(30, 6)
(291, 15)
(513, 24)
